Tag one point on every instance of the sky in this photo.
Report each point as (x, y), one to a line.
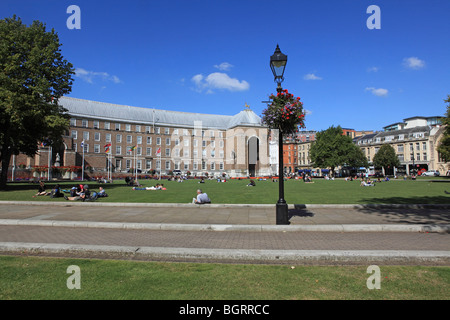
(353, 65)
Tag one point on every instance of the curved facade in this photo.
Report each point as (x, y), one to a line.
(104, 135)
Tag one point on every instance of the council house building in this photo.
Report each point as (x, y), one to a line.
(119, 139)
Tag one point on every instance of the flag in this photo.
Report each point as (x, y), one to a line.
(158, 151)
(107, 147)
(82, 144)
(132, 148)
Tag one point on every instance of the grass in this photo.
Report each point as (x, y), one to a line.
(421, 191)
(39, 278)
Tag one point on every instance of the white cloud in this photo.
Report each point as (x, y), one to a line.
(311, 76)
(89, 76)
(224, 66)
(218, 80)
(380, 92)
(413, 63)
(372, 69)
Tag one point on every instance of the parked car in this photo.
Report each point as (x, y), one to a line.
(434, 173)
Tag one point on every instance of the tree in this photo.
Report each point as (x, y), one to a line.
(386, 157)
(332, 149)
(33, 76)
(444, 145)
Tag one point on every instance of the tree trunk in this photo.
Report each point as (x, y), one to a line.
(5, 158)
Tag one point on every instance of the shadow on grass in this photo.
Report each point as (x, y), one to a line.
(64, 185)
(417, 210)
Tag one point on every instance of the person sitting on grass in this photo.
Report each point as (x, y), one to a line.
(367, 184)
(41, 190)
(202, 198)
(84, 195)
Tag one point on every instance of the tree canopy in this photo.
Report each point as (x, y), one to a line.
(332, 149)
(33, 76)
(444, 145)
(386, 157)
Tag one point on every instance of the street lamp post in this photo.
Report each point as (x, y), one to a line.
(278, 63)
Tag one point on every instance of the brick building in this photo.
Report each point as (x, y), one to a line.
(163, 141)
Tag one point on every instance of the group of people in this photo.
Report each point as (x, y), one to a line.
(156, 187)
(79, 192)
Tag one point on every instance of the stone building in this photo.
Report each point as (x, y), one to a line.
(150, 141)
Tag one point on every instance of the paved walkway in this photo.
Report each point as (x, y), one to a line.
(243, 233)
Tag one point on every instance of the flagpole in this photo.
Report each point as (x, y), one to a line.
(135, 164)
(49, 162)
(82, 165)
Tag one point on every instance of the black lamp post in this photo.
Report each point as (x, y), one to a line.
(278, 63)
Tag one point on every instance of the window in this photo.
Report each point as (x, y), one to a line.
(84, 123)
(128, 164)
(167, 152)
(128, 127)
(96, 124)
(166, 130)
(119, 138)
(108, 137)
(96, 148)
(400, 148)
(167, 141)
(97, 136)
(149, 140)
(186, 166)
(158, 141)
(148, 129)
(158, 164)
(107, 125)
(148, 164)
(138, 128)
(203, 165)
(117, 126)
(195, 165)
(167, 165)
(118, 150)
(129, 139)
(139, 139)
(149, 151)
(139, 151)
(74, 134)
(175, 131)
(424, 156)
(73, 122)
(85, 135)
(157, 130)
(424, 146)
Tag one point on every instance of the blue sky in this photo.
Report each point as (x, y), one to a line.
(212, 56)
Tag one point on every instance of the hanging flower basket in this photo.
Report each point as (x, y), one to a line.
(285, 113)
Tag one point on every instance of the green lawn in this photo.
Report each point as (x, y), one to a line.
(421, 191)
(46, 278)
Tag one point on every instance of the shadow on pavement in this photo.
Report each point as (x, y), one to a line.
(299, 211)
(419, 213)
